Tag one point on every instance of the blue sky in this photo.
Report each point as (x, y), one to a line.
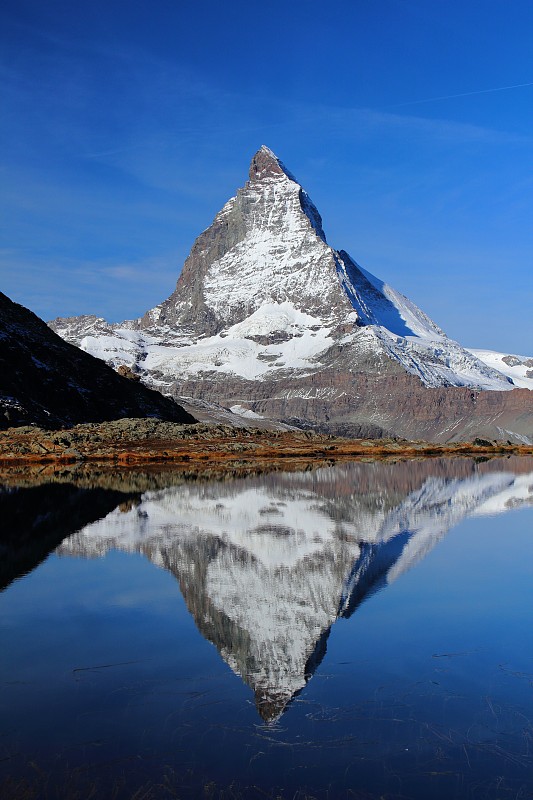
(125, 126)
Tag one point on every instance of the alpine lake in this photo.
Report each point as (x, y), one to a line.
(359, 630)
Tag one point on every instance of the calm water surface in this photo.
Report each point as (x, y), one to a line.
(359, 631)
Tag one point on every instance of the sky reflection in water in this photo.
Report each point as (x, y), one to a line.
(121, 651)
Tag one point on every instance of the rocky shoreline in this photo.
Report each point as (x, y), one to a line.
(130, 442)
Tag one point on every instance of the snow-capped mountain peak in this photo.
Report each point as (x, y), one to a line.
(266, 302)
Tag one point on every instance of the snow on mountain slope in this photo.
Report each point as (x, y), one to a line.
(235, 351)
(298, 341)
(378, 304)
(518, 368)
(280, 257)
(268, 564)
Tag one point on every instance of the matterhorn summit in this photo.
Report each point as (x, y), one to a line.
(268, 320)
(265, 255)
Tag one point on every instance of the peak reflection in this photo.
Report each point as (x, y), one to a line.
(267, 564)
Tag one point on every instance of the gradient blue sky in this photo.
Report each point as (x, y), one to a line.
(125, 126)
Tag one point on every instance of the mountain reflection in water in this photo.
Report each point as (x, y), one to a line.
(267, 564)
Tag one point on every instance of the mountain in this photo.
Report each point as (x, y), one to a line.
(518, 368)
(47, 381)
(266, 316)
(268, 564)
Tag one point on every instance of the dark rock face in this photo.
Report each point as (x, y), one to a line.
(45, 380)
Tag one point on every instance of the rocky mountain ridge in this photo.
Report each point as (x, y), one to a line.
(267, 317)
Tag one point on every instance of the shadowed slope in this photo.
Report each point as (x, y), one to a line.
(47, 381)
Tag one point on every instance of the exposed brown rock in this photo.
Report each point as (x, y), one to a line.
(372, 405)
(264, 163)
(127, 372)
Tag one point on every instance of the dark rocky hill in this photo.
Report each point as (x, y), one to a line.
(47, 381)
